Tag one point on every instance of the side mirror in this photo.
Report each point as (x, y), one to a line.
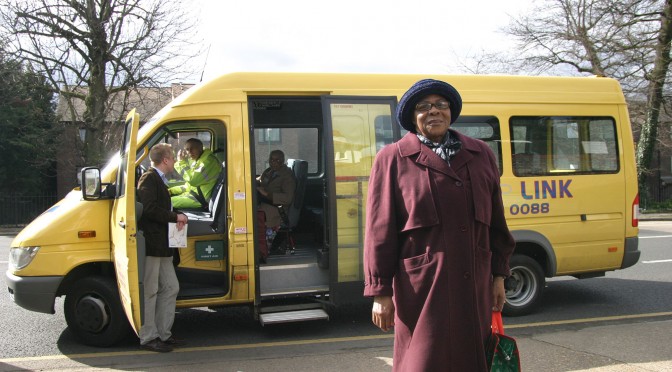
(91, 185)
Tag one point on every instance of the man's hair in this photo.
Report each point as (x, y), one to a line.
(159, 152)
(196, 141)
(277, 152)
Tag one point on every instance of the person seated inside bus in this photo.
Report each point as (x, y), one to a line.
(200, 169)
(275, 188)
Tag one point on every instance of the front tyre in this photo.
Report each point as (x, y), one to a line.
(94, 313)
(524, 286)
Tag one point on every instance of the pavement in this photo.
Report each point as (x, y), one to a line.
(635, 346)
(631, 347)
(628, 345)
(655, 216)
(10, 230)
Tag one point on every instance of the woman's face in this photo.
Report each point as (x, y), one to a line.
(432, 123)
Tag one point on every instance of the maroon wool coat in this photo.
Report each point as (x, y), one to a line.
(435, 235)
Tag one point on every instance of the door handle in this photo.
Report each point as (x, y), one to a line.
(122, 224)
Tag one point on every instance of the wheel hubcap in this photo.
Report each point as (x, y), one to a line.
(521, 286)
(91, 314)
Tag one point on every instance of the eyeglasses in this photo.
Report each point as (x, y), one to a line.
(426, 106)
(274, 160)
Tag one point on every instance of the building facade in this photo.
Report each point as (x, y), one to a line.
(76, 135)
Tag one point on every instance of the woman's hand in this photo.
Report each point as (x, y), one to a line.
(383, 312)
(498, 293)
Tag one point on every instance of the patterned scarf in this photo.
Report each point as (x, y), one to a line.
(446, 149)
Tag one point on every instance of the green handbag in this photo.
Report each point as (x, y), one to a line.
(502, 355)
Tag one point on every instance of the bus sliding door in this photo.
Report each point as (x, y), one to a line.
(356, 128)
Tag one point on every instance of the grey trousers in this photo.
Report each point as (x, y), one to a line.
(161, 288)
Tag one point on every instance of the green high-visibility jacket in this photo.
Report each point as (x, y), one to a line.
(200, 175)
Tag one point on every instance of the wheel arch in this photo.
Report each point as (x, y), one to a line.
(105, 269)
(538, 247)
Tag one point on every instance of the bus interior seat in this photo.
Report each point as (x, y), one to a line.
(529, 163)
(291, 215)
(219, 154)
(211, 221)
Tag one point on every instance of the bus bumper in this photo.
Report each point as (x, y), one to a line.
(631, 254)
(34, 293)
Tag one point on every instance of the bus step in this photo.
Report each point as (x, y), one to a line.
(293, 316)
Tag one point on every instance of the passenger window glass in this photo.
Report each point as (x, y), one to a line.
(384, 131)
(211, 133)
(552, 145)
(121, 174)
(485, 128)
(353, 126)
(290, 124)
(296, 143)
(268, 135)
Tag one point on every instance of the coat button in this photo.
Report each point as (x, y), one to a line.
(458, 184)
(463, 228)
(467, 275)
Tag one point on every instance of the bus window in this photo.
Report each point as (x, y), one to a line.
(210, 132)
(384, 131)
(290, 124)
(296, 143)
(552, 145)
(485, 128)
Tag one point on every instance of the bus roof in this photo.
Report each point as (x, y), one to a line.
(235, 87)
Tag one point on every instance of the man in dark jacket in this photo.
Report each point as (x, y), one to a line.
(160, 282)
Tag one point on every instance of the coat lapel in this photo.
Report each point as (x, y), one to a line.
(466, 153)
(410, 146)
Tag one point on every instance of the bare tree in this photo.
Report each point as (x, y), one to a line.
(654, 102)
(628, 40)
(95, 50)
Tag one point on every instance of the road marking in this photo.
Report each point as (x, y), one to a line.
(655, 237)
(588, 320)
(312, 341)
(387, 361)
(657, 261)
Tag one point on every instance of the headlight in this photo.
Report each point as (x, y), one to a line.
(21, 257)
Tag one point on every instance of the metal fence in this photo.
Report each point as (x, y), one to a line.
(16, 210)
(656, 196)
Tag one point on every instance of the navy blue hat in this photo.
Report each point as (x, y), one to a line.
(420, 90)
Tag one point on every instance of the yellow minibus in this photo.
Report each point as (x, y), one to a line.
(566, 158)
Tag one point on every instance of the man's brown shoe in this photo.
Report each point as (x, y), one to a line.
(157, 345)
(174, 342)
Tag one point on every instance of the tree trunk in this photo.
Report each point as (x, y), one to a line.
(96, 100)
(649, 131)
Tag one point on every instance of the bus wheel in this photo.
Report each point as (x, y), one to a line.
(94, 313)
(524, 286)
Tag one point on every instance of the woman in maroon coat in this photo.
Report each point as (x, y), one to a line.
(437, 245)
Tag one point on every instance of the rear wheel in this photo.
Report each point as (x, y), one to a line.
(94, 313)
(524, 286)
